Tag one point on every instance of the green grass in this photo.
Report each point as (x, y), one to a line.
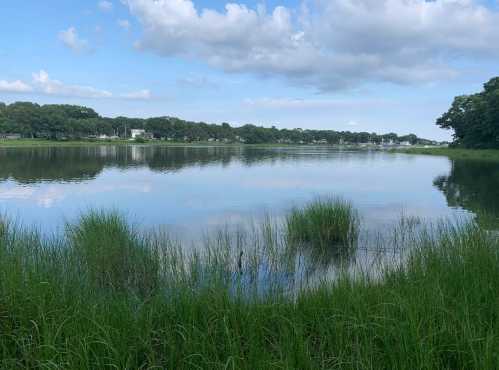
(114, 256)
(105, 295)
(455, 153)
(324, 224)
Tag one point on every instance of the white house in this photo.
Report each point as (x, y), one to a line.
(10, 136)
(137, 133)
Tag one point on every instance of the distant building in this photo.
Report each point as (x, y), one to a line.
(139, 133)
(390, 142)
(10, 136)
(405, 143)
(135, 133)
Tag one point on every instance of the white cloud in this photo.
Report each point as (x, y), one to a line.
(124, 23)
(71, 39)
(105, 6)
(138, 95)
(43, 84)
(325, 44)
(352, 123)
(15, 86)
(46, 85)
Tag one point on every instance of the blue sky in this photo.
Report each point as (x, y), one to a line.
(364, 65)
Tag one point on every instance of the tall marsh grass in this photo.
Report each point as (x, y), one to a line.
(112, 254)
(106, 296)
(329, 223)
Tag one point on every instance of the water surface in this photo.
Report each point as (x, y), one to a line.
(192, 189)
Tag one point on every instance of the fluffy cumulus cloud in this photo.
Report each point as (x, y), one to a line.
(325, 44)
(15, 86)
(72, 40)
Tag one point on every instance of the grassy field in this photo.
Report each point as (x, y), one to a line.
(454, 153)
(105, 295)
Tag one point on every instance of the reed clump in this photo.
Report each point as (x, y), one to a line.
(324, 223)
(111, 254)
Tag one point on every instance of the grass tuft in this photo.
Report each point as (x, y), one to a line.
(112, 254)
(324, 224)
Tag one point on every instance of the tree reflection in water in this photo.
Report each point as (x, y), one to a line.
(76, 164)
(474, 186)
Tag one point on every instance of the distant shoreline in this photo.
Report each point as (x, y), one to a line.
(5, 143)
(48, 143)
(454, 153)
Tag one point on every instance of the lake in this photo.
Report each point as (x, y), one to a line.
(193, 189)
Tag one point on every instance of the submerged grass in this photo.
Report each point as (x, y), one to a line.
(105, 296)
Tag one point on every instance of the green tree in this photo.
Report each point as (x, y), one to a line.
(76, 122)
(475, 118)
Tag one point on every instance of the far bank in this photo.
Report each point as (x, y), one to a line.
(455, 153)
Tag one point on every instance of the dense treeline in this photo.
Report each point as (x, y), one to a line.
(475, 118)
(58, 122)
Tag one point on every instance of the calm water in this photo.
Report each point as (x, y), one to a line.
(193, 189)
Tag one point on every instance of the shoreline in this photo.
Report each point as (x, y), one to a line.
(454, 153)
(48, 143)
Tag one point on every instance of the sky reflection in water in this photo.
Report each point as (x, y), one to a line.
(190, 189)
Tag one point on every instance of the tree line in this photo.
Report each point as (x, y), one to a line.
(475, 118)
(72, 122)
